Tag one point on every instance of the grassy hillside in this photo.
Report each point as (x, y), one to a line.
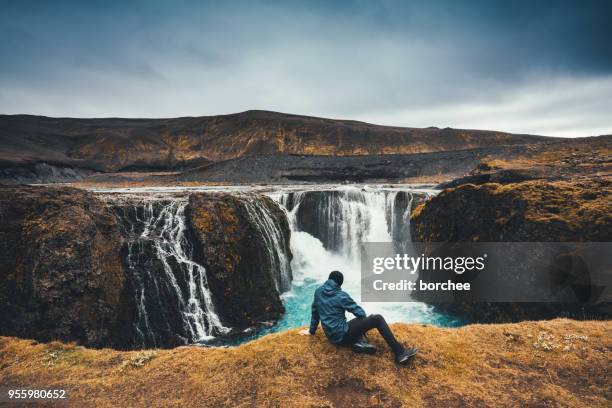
(547, 363)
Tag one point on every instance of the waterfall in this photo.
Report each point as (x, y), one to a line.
(344, 218)
(171, 295)
(328, 227)
(302, 235)
(271, 233)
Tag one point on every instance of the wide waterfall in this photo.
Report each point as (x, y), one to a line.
(327, 229)
(173, 302)
(170, 289)
(344, 218)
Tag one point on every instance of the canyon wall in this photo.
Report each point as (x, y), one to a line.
(244, 241)
(61, 271)
(529, 211)
(134, 272)
(536, 211)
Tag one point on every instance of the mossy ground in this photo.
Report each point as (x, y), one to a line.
(535, 210)
(578, 204)
(578, 158)
(547, 363)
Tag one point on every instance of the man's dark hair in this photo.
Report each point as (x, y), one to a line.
(337, 277)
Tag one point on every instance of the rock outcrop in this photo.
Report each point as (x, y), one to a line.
(61, 270)
(117, 273)
(530, 211)
(243, 242)
(572, 159)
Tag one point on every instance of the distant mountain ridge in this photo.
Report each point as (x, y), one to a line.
(115, 144)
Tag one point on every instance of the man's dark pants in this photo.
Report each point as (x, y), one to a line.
(358, 327)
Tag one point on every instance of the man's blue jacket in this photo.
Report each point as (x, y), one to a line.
(330, 303)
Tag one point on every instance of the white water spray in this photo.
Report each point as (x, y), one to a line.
(157, 228)
(344, 218)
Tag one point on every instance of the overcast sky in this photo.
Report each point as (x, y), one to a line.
(520, 66)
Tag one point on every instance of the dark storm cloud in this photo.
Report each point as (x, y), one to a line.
(529, 66)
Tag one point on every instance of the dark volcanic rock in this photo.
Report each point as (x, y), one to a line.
(242, 272)
(61, 272)
(41, 173)
(501, 177)
(531, 211)
(356, 169)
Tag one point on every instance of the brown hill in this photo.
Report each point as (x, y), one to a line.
(549, 363)
(115, 144)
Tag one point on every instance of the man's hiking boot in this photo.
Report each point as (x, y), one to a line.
(362, 346)
(403, 357)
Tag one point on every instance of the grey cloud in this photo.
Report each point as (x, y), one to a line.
(407, 63)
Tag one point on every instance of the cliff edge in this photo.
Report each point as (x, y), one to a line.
(548, 363)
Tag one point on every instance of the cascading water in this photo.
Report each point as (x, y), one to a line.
(342, 219)
(327, 229)
(171, 295)
(271, 233)
(173, 302)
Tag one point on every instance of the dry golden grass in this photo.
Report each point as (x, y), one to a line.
(149, 180)
(529, 211)
(549, 363)
(578, 204)
(582, 157)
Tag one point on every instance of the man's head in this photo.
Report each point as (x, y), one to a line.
(337, 277)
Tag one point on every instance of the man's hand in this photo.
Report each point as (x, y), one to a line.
(304, 332)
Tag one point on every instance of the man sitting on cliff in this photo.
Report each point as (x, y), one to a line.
(330, 303)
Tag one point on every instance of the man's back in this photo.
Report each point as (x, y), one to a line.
(329, 306)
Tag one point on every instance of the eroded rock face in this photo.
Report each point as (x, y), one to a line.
(243, 275)
(61, 271)
(531, 211)
(75, 268)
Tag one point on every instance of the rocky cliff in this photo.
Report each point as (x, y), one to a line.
(132, 272)
(244, 242)
(61, 271)
(530, 211)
